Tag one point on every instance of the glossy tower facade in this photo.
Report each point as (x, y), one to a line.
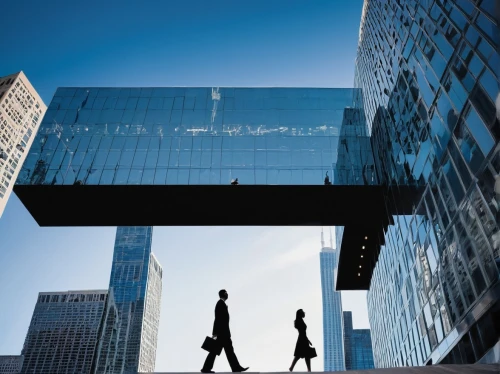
(357, 345)
(333, 342)
(429, 71)
(136, 285)
(21, 112)
(63, 333)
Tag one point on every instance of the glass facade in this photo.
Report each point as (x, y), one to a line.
(136, 286)
(333, 342)
(63, 333)
(157, 136)
(429, 71)
(358, 346)
(355, 164)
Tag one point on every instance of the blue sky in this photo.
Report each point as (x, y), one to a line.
(269, 272)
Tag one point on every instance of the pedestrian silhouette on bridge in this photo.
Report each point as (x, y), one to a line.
(222, 333)
(302, 349)
(327, 180)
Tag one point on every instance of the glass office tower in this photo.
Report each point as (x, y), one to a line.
(118, 136)
(63, 333)
(357, 345)
(136, 286)
(429, 71)
(333, 342)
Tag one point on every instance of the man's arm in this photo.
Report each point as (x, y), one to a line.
(217, 322)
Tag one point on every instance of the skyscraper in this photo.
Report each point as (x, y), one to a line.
(63, 332)
(357, 345)
(136, 286)
(429, 71)
(333, 341)
(21, 112)
(11, 364)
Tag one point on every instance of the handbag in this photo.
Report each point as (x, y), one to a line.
(212, 345)
(311, 352)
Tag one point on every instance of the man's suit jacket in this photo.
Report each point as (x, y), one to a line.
(221, 323)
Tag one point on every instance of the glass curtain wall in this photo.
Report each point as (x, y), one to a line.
(116, 136)
(429, 71)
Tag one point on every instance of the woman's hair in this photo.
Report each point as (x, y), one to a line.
(298, 316)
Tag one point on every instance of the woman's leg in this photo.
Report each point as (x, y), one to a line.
(308, 363)
(295, 359)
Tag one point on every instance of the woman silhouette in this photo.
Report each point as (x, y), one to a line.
(302, 347)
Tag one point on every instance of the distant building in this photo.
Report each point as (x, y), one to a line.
(136, 286)
(357, 345)
(63, 333)
(11, 364)
(21, 111)
(333, 341)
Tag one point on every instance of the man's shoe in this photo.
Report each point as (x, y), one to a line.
(207, 371)
(241, 370)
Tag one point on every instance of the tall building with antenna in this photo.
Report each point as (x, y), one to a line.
(333, 332)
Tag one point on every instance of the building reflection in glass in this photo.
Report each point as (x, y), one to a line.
(429, 71)
(116, 136)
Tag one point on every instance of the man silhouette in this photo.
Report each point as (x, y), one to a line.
(327, 180)
(222, 333)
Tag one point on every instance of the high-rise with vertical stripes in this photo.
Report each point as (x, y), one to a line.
(136, 286)
(333, 338)
(63, 332)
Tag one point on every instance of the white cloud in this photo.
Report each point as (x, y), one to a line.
(283, 254)
(301, 252)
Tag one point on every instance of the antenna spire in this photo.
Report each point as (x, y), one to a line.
(322, 238)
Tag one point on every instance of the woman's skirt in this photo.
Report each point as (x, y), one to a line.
(302, 347)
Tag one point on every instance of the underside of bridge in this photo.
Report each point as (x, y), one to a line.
(362, 210)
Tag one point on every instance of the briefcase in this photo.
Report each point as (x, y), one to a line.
(312, 352)
(212, 345)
